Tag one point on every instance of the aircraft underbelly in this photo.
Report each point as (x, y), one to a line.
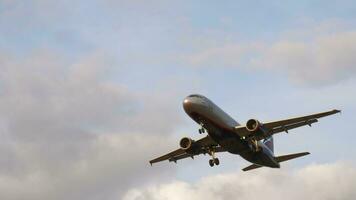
(233, 144)
(219, 132)
(260, 158)
(229, 141)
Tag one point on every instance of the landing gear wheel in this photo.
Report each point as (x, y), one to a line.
(211, 162)
(200, 132)
(216, 161)
(203, 130)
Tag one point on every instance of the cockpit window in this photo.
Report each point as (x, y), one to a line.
(195, 95)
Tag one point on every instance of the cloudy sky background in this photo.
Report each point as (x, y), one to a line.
(92, 90)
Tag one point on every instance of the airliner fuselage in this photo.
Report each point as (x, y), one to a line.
(220, 127)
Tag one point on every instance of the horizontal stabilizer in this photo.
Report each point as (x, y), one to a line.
(290, 156)
(278, 159)
(251, 167)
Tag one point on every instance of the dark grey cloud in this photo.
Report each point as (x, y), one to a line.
(69, 133)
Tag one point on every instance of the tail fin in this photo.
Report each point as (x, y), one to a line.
(290, 156)
(269, 143)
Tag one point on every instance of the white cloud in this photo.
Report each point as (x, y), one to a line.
(328, 181)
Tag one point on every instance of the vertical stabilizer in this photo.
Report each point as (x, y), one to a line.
(269, 143)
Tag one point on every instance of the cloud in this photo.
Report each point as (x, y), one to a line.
(326, 181)
(322, 60)
(67, 132)
(105, 167)
(318, 57)
(229, 55)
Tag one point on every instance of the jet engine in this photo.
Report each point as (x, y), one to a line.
(186, 143)
(189, 145)
(255, 127)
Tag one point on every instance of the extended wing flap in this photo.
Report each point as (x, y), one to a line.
(170, 155)
(183, 156)
(280, 123)
(286, 128)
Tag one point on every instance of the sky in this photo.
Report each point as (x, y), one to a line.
(90, 91)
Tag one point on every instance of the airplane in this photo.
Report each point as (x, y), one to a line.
(253, 141)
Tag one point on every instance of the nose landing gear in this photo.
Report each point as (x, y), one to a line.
(201, 130)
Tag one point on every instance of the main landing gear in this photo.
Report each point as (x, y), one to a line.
(254, 145)
(213, 161)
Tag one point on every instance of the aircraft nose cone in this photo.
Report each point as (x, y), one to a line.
(188, 105)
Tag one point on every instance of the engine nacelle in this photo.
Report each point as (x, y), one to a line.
(256, 127)
(186, 143)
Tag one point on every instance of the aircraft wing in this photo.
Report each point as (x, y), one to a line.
(285, 125)
(286, 122)
(202, 146)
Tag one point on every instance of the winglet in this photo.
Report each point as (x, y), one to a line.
(336, 111)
